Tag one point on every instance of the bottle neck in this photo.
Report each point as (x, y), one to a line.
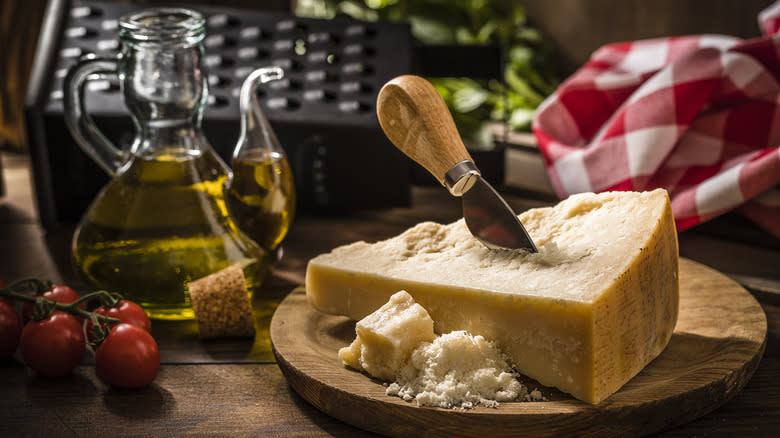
(169, 137)
(165, 89)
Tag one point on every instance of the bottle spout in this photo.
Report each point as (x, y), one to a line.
(256, 132)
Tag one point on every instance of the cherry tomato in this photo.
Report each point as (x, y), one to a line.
(126, 311)
(53, 346)
(10, 328)
(59, 292)
(128, 357)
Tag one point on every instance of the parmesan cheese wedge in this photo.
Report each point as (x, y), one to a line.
(585, 314)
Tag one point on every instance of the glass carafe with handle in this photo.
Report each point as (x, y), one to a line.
(161, 221)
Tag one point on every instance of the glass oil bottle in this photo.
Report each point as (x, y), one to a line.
(162, 220)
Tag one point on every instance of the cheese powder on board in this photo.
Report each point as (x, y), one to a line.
(459, 370)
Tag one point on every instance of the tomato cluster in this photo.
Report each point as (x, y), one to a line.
(52, 341)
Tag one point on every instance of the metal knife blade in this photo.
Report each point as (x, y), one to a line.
(487, 215)
(492, 221)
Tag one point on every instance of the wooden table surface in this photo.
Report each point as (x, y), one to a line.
(234, 387)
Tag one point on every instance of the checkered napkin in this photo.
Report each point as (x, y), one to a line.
(697, 115)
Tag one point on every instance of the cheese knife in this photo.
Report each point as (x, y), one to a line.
(417, 121)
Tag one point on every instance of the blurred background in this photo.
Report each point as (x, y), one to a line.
(493, 61)
(545, 40)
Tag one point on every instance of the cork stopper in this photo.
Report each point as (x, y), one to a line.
(221, 304)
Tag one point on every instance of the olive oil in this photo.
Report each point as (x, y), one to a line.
(261, 196)
(159, 224)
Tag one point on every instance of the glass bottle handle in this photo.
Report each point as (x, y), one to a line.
(78, 120)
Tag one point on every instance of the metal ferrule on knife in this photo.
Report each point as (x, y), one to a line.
(461, 177)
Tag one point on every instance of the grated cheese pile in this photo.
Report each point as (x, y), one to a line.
(459, 370)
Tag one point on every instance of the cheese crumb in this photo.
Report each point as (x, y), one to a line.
(458, 370)
(385, 339)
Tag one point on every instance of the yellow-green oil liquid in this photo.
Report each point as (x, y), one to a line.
(261, 196)
(160, 224)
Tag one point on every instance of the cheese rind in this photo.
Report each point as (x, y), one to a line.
(585, 314)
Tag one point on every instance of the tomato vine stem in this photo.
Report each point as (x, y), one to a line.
(44, 307)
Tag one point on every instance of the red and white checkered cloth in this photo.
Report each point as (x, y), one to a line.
(697, 115)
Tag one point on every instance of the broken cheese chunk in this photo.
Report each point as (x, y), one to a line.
(585, 314)
(386, 338)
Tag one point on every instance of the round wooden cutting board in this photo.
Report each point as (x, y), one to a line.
(717, 344)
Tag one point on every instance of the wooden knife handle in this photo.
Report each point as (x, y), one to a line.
(418, 122)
